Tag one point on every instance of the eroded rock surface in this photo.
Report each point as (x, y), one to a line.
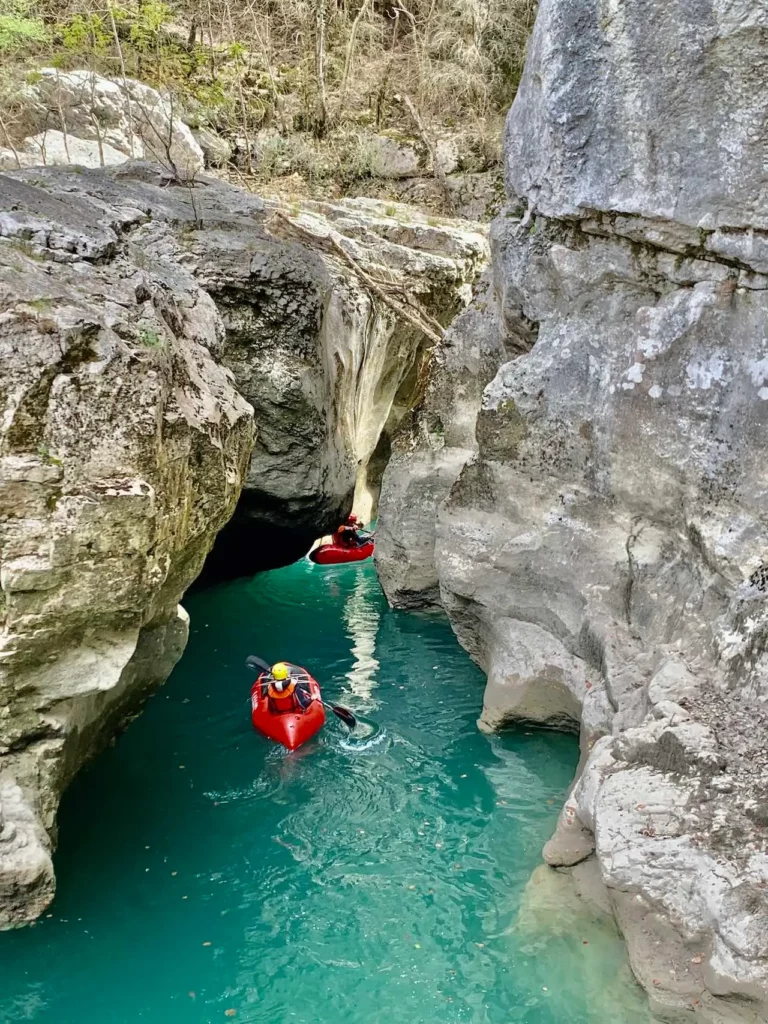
(603, 555)
(123, 448)
(430, 450)
(331, 367)
(328, 364)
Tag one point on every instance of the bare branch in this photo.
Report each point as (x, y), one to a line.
(412, 313)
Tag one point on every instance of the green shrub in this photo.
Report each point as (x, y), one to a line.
(19, 33)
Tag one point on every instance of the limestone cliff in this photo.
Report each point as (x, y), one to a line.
(123, 447)
(330, 366)
(430, 449)
(603, 555)
(172, 353)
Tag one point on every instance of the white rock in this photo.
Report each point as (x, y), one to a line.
(446, 155)
(127, 117)
(106, 519)
(392, 158)
(216, 150)
(11, 160)
(673, 681)
(52, 148)
(614, 507)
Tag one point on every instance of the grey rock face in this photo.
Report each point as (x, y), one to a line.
(430, 450)
(649, 109)
(122, 452)
(329, 367)
(602, 555)
(217, 151)
(395, 158)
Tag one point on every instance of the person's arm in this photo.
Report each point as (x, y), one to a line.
(303, 696)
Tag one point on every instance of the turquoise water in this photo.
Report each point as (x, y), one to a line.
(205, 874)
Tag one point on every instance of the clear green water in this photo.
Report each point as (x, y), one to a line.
(203, 870)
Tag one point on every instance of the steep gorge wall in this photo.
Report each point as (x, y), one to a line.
(171, 355)
(329, 366)
(603, 554)
(123, 447)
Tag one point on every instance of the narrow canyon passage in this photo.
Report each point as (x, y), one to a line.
(206, 874)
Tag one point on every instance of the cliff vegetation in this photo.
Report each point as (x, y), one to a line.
(331, 94)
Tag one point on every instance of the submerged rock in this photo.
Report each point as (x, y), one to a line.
(602, 555)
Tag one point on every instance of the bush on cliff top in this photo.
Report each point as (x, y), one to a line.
(309, 67)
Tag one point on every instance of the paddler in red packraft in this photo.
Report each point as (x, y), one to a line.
(348, 544)
(346, 535)
(286, 690)
(286, 703)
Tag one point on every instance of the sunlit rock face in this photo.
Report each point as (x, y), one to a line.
(78, 117)
(603, 554)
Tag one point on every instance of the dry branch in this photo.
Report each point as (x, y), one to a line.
(437, 170)
(412, 312)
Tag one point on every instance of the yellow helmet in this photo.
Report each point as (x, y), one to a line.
(280, 670)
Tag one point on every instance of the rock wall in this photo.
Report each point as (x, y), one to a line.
(603, 555)
(123, 447)
(330, 366)
(430, 449)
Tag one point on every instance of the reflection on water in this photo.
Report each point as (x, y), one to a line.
(361, 617)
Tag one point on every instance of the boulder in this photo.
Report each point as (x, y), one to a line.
(56, 149)
(216, 150)
(61, 111)
(14, 159)
(392, 157)
(447, 157)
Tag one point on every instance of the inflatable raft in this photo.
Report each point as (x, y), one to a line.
(291, 728)
(335, 554)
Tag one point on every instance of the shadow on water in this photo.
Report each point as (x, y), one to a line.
(373, 878)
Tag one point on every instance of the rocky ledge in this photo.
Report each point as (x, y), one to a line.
(599, 540)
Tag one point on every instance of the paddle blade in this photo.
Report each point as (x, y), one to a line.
(256, 664)
(345, 715)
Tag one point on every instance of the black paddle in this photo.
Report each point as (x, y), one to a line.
(346, 716)
(343, 713)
